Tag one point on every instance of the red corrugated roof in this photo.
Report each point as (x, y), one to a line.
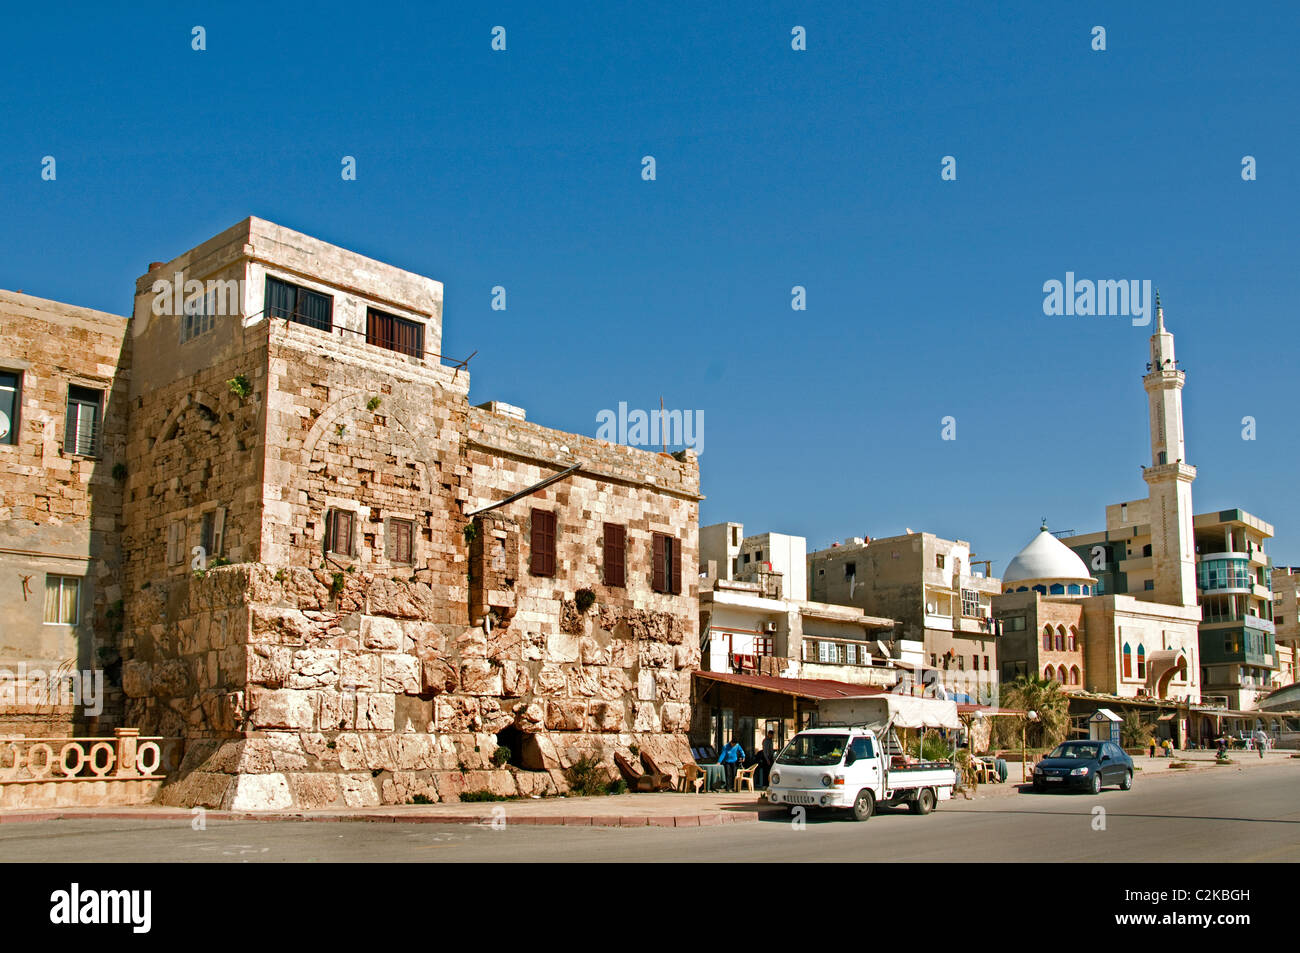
(803, 687)
(964, 709)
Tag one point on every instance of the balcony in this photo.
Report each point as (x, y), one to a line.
(1224, 572)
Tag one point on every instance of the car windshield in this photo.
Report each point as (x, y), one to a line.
(1076, 751)
(813, 750)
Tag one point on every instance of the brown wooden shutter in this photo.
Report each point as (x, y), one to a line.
(658, 580)
(675, 546)
(329, 530)
(542, 555)
(615, 558)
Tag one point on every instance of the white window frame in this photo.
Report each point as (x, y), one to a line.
(62, 583)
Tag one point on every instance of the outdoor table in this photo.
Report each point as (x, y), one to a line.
(715, 777)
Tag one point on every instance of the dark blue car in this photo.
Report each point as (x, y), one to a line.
(1086, 765)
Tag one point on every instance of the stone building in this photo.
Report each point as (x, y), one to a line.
(942, 606)
(64, 373)
(343, 584)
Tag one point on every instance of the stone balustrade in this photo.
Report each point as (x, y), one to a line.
(124, 756)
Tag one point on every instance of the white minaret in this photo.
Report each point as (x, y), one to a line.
(1169, 478)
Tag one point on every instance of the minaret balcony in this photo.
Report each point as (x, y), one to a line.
(1177, 469)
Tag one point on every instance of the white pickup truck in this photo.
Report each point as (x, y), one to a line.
(848, 767)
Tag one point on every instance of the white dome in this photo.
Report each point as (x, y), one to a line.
(1046, 558)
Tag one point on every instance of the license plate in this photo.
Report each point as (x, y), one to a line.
(1053, 779)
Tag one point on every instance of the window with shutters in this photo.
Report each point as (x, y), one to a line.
(199, 315)
(340, 528)
(213, 531)
(175, 543)
(666, 564)
(82, 431)
(615, 555)
(299, 305)
(401, 541)
(541, 557)
(396, 334)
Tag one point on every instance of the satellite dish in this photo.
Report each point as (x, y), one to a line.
(4, 425)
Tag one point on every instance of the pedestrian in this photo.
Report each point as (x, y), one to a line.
(1261, 741)
(729, 757)
(768, 757)
(1153, 743)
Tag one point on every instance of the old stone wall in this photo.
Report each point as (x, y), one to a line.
(60, 511)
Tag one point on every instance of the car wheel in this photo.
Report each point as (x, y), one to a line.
(864, 805)
(924, 802)
(1127, 783)
(1096, 782)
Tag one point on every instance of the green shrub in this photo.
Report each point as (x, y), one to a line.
(239, 386)
(617, 786)
(585, 599)
(373, 403)
(587, 777)
(421, 799)
(501, 756)
(482, 796)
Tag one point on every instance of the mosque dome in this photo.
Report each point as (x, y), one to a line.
(1050, 567)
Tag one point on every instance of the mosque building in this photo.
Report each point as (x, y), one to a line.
(1061, 621)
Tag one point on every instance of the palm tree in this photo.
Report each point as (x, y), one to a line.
(1044, 697)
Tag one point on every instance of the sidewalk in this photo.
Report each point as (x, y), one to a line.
(624, 810)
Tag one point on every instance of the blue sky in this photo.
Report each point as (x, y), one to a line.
(775, 168)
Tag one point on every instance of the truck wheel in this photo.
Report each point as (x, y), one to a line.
(864, 805)
(924, 802)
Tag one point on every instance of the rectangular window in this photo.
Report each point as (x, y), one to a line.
(11, 398)
(82, 430)
(401, 541)
(938, 561)
(1016, 623)
(299, 305)
(62, 600)
(970, 602)
(542, 550)
(852, 655)
(1149, 585)
(666, 564)
(396, 334)
(340, 527)
(198, 316)
(615, 554)
(850, 571)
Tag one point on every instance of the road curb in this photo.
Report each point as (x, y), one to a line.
(562, 820)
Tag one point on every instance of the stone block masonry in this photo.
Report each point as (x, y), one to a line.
(374, 623)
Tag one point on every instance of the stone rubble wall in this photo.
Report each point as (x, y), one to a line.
(295, 693)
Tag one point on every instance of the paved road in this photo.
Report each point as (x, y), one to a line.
(1220, 815)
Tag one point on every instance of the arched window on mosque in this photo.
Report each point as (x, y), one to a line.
(1072, 643)
(1047, 638)
(1142, 661)
(1128, 661)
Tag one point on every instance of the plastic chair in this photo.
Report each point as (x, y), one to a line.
(745, 778)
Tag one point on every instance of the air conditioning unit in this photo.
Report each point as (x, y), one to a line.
(769, 627)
